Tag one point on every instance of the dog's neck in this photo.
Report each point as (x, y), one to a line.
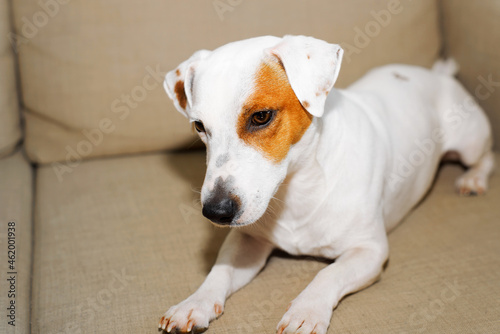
(305, 184)
(308, 152)
(302, 154)
(300, 188)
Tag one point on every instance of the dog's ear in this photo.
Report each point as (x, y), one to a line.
(178, 82)
(312, 67)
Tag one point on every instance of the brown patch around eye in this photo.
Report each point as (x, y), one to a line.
(180, 93)
(272, 91)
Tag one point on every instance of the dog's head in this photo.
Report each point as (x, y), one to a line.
(250, 102)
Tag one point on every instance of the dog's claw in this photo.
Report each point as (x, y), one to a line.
(218, 310)
(190, 325)
(163, 323)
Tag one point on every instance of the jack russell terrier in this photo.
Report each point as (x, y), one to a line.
(338, 168)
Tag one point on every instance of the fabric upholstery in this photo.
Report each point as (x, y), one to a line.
(471, 35)
(16, 192)
(120, 240)
(86, 62)
(10, 130)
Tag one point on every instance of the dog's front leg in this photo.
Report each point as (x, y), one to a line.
(240, 260)
(354, 270)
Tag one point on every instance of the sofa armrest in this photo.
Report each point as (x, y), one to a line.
(16, 195)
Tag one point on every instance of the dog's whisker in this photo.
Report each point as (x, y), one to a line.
(196, 190)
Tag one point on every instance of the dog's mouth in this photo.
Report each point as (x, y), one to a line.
(245, 216)
(230, 224)
(229, 213)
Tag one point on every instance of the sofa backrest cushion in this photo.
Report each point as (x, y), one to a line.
(91, 71)
(10, 130)
(472, 36)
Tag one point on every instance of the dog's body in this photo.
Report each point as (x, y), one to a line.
(314, 171)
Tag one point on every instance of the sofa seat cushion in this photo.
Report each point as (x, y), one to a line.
(120, 240)
(16, 201)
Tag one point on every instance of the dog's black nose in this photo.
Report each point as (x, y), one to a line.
(221, 212)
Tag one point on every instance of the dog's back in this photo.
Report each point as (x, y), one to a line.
(425, 113)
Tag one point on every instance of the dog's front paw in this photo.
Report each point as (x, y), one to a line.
(190, 316)
(305, 319)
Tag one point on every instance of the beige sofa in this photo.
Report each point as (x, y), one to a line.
(99, 173)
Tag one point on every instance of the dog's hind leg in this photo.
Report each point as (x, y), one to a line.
(475, 180)
(468, 133)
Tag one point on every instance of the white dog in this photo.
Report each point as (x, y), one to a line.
(340, 168)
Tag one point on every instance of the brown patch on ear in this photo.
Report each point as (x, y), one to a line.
(272, 91)
(178, 72)
(325, 90)
(180, 93)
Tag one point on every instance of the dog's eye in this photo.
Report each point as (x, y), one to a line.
(261, 118)
(199, 126)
